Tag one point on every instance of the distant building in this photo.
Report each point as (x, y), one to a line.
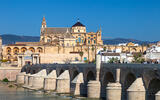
(128, 44)
(153, 53)
(121, 57)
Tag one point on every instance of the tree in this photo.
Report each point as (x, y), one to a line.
(138, 58)
(113, 60)
(81, 54)
(104, 48)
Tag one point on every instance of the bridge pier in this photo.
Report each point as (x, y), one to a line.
(20, 78)
(114, 90)
(78, 81)
(63, 83)
(157, 96)
(26, 77)
(30, 80)
(137, 90)
(94, 89)
(50, 81)
(38, 80)
(94, 86)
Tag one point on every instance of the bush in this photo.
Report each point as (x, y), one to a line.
(5, 80)
(10, 86)
(86, 61)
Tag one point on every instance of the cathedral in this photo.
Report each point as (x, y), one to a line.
(69, 36)
(73, 44)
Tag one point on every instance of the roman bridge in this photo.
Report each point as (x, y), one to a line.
(150, 73)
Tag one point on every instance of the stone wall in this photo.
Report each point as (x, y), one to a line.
(9, 73)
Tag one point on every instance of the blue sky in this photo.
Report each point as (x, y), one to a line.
(137, 19)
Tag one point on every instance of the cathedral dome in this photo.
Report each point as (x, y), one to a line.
(78, 24)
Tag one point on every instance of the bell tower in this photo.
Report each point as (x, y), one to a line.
(43, 29)
(99, 36)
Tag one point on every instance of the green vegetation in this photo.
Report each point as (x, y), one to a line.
(113, 60)
(81, 54)
(10, 86)
(104, 48)
(86, 61)
(5, 80)
(138, 58)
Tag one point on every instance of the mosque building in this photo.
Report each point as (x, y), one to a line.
(56, 45)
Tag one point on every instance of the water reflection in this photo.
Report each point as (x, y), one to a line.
(13, 93)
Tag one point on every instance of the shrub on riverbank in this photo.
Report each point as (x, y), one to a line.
(5, 80)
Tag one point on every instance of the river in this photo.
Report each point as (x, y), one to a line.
(14, 93)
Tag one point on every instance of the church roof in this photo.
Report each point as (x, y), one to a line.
(55, 30)
(78, 24)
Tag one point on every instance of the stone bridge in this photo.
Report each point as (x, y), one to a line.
(150, 74)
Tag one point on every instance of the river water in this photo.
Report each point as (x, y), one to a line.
(14, 93)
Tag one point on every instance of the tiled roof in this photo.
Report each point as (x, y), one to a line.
(111, 54)
(55, 30)
(16, 44)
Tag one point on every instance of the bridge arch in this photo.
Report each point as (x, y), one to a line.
(59, 72)
(153, 88)
(74, 74)
(90, 76)
(108, 77)
(129, 79)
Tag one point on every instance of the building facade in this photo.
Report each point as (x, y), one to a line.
(69, 36)
(62, 45)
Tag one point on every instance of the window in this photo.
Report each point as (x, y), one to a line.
(88, 41)
(91, 35)
(94, 41)
(88, 37)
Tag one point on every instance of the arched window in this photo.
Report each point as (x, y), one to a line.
(39, 49)
(32, 49)
(15, 50)
(23, 49)
(8, 50)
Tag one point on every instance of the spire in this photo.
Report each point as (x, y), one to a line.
(44, 22)
(78, 20)
(67, 31)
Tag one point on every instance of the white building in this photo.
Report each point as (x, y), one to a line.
(153, 53)
(107, 56)
(122, 57)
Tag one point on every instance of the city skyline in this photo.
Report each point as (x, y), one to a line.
(118, 19)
